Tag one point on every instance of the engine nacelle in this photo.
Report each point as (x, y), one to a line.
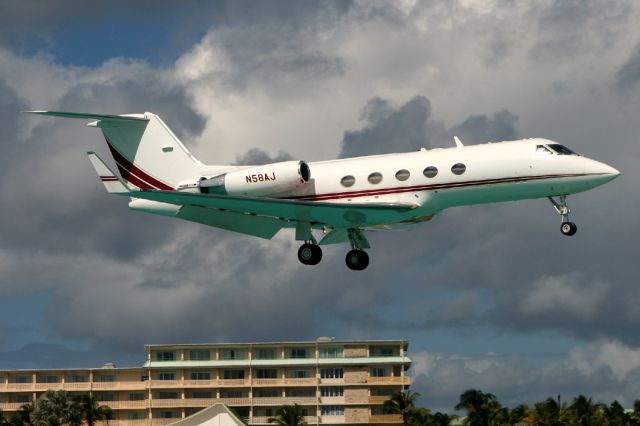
(269, 179)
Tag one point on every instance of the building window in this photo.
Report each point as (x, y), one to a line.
(403, 174)
(233, 354)
(167, 395)
(138, 396)
(348, 181)
(232, 394)
(430, 172)
(78, 379)
(233, 374)
(379, 372)
(106, 397)
(169, 414)
(166, 356)
(332, 391)
(301, 392)
(375, 178)
(49, 379)
(332, 410)
(268, 393)
(384, 391)
(23, 398)
(331, 373)
(20, 379)
(200, 375)
(266, 353)
(267, 373)
(136, 415)
(199, 355)
(458, 169)
(105, 378)
(331, 353)
(299, 374)
(165, 375)
(298, 352)
(383, 351)
(202, 394)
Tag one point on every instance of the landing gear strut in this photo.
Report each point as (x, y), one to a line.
(567, 228)
(357, 259)
(309, 253)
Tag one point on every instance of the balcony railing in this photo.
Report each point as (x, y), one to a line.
(47, 386)
(303, 382)
(128, 385)
(236, 401)
(332, 400)
(267, 382)
(200, 383)
(385, 418)
(396, 380)
(332, 419)
(233, 382)
(160, 422)
(377, 399)
(12, 406)
(126, 405)
(155, 384)
(289, 400)
(263, 420)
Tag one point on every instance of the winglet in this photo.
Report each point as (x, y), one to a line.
(112, 183)
(458, 142)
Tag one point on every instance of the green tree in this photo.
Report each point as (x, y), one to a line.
(93, 412)
(547, 413)
(3, 420)
(420, 417)
(482, 408)
(584, 412)
(289, 415)
(442, 419)
(401, 403)
(56, 408)
(24, 416)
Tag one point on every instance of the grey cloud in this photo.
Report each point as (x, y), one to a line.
(481, 128)
(258, 157)
(628, 74)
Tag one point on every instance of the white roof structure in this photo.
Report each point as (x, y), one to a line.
(216, 415)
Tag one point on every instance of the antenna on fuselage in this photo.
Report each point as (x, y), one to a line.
(457, 141)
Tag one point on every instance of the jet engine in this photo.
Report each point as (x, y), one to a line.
(258, 181)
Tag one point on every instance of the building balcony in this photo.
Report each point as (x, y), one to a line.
(18, 387)
(236, 401)
(332, 400)
(377, 399)
(47, 386)
(264, 420)
(394, 380)
(332, 381)
(288, 400)
(301, 382)
(268, 382)
(199, 402)
(386, 418)
(233, 382)
(166, 384)
(332, 419)
(160, 422)
(129, 385)
(167, 403)
(200, 383)
(12, 406)
(77, 386)
(126, 405)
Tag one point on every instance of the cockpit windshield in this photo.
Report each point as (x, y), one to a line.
(561, 149)
(543, 150)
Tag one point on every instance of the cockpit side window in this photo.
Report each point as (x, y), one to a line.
(541, 149)
(561, 149)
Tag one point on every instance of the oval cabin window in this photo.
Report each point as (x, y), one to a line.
(458, 169)
(348, 181)
(430, 172)
(375, 178)
(403, 174)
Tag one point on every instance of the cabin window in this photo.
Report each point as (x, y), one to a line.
(561, 149)
(430, 172)
(458, 169)
(403, 174)
(375, 178)
(348, 181)
(541, 149)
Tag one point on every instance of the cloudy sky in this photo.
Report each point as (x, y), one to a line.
(492, 297)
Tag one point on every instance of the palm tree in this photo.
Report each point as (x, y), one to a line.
(547, 413)
(584, 412)
(482, 408)
(93, 412)
(442, 419)
(615, 415)
(401, 403)
(289, 415)
(56, 408)
(3, 421)
(24, 416)
(420, 417)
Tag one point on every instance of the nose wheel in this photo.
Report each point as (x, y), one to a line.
(310, 254)
(567, 228)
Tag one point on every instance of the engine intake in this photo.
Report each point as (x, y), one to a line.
(270, 179)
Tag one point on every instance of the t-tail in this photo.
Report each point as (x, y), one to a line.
(147, 153)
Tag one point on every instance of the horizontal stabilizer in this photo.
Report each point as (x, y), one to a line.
(112, 183)
(101, 117)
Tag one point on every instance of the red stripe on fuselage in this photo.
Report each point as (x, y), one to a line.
(132, 173)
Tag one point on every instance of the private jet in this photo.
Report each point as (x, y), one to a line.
(338, 200)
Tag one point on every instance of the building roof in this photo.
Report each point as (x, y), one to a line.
(323, 342)
(216, 415)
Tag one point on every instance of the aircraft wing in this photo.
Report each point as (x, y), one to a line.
(332, 214)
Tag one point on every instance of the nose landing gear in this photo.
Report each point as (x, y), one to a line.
(567, 228)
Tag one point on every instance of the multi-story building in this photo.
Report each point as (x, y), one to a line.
(335, 382)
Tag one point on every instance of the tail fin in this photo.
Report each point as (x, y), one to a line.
(147, 153)
(112, 183)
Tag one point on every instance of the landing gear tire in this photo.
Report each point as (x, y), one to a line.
(568, 228)
(357, 260)
(310, 254)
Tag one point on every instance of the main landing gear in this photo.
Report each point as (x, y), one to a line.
(567, 228)
(310, 253)
(357, 259)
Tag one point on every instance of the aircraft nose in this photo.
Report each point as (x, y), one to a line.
(603, 172)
